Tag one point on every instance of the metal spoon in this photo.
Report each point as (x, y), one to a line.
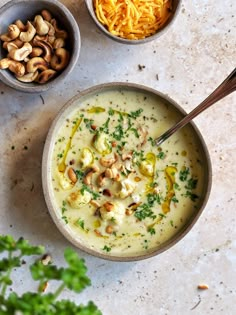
(225, 88)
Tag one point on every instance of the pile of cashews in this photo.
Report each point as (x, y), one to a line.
(36, 51)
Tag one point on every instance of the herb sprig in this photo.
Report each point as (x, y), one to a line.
(72, 277)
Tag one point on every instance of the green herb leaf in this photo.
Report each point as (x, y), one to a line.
(151, 230)
(144, 211)
(79, 174)
(161, 155)
(88, 189)
(106, 248)
(74, 276)
(118, 134)
(191, 184)
(136, 114)
(183, 174)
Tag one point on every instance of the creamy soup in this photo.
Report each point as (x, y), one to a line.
(116, 192)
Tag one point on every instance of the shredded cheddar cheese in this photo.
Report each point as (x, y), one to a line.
(133, 19)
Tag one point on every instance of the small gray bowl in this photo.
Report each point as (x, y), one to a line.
(175, 10)
(26, 10)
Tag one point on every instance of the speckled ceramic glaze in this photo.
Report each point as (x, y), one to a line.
(47, 159)
(176, 6)
(26, 10)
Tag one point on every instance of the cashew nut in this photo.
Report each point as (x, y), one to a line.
(11, 46)
(20, 25)
(40, 38)
(28, 35)
(101, 179)
(109, 206)
(59, 43)
(60, 59)
(46, 75)
(16, 42)
(36, 63)
(46, 47)
(36, 52)
(59, 33)
(46, 15)
(51, 29)
(95, 203)
(107, 162)
(41, 26)
(143, 133)
(20, 54)
(13, 33)
(72, 175)
(112, 173)
(28, 77)
(126, 156)
(14, 66)
(51, 39)
(88, 178)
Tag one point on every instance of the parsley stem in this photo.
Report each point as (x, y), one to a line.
(7, 276)
(59, 290)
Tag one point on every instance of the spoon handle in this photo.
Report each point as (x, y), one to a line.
(225, 88)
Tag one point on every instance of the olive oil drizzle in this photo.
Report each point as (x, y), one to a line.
(62, 165)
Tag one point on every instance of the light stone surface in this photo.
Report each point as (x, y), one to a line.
(191, 59)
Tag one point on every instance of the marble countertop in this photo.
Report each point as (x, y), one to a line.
(186, 63)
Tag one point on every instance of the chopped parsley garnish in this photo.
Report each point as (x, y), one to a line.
(191, 184)
(79, 174)
(106, 248)
(151, 230)
(88, 189)
(192, 196)
(144, 211)
(104, 127)
(183, 174)
(152, 141)
(152, 198)
(171, 223)
(139, 154)
(176, 186)
(63, 209)
(111, 112)
(120, 119)
(135, 131)
(88, 123)
(65, 219)
(161, 155)
(174, 199)
(80, 223)
(118, 134)
(135, 114)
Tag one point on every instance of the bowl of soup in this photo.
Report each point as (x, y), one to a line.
(110, 190)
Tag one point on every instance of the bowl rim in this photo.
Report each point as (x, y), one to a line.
(46, 174)
(25, 87)
(159, 32)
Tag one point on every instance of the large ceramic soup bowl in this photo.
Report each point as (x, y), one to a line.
(108, 188)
